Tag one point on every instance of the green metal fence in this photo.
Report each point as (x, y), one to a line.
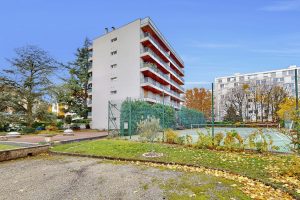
(124, 116)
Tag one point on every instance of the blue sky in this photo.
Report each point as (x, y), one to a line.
(214, 37)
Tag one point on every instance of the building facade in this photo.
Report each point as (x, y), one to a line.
(284, 78)
(134, 61)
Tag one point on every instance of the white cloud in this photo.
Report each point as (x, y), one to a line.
(283, 5)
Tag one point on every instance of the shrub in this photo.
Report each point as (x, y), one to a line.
(204, 141)
(171, 136)
(218, 139)
(51, 128)
(28, 130)
(148, 128)
(75, 127)
(68, 119)
(260, 141)
(188, 140)
(60, 125)
(180, 140)
(233, 140)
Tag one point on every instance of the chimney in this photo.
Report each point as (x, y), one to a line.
(113, 28)
(106, 30)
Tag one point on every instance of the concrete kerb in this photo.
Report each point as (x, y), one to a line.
(23, 152)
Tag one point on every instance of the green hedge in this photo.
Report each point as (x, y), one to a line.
(135, 111)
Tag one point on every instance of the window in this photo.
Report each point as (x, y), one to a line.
(113, 78)
(113, 92)
(113, 53)
(114, 39)
(284, 73)
(113, 66)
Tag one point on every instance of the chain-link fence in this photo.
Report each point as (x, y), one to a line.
(124, 116)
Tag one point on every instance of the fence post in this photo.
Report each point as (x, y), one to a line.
(212, 112)
(129, 118)
(163, 116)
(297, 109)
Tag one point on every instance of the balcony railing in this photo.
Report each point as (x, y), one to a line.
(179, 86)
(163, 87)
(146, 34)
(153, 40)
(89, 90)
(146, 21)
(146, 49)
(155, 83)
(154, 68)
(161, 101)
(176, 65)
(163, 63)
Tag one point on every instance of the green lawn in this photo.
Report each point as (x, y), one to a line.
(6, 147)
(251, 165)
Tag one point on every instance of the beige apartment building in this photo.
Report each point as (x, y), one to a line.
(134, 61)
(284, 78)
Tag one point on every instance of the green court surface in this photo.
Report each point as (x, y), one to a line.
(279, 139)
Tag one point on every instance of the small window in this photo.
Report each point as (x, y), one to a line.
(113, 78)
(113, 66)
(114, 39)
(113, 53)
(113, 92)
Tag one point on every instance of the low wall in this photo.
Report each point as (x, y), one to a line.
(23, 152)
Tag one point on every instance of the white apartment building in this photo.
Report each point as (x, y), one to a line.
(134, 61)
(282, 77)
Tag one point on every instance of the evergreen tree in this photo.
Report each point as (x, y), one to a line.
(78, 82)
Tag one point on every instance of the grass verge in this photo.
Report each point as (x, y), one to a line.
(256, 166)
(6, 147)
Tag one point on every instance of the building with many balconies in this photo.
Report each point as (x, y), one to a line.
(134, 61)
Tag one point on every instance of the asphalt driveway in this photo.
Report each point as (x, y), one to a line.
(48, 177)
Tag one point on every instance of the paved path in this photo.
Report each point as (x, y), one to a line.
(48, 177)
(60, 137)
